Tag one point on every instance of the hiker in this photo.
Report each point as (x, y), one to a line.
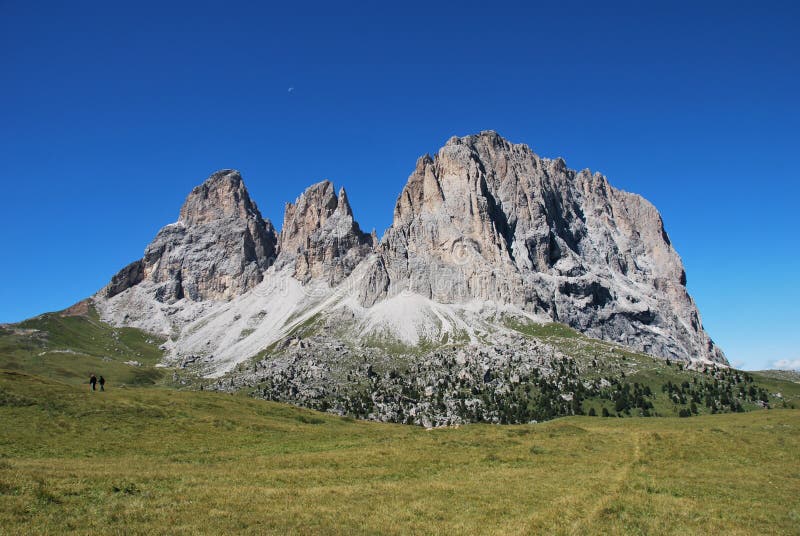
(102, 383)
(93, 381)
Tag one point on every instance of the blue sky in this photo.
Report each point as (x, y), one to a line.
(111, 112)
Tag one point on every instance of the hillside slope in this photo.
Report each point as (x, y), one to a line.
(530, 372)
(72, 344)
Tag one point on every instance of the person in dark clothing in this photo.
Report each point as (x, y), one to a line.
(93, 381)
(102, 383)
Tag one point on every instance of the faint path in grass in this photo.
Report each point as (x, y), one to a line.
(573, 508)
(584, 525)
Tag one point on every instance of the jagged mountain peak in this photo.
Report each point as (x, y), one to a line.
(488, 142)
(222, 195)
(320, 235)
(324, 188)
(319, 202)
(308, 213)
(483, 221)
(490, 220)
(218, 248)
(487, 135)
(343, 203)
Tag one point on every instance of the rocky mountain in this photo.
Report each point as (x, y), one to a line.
(219, 247)
(320, 236)
(486, 236)
(490, 220)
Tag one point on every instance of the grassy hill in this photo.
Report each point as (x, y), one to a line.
(70, 345)
(153, 460)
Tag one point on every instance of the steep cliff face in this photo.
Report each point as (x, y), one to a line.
(484, 228)
(487, 219)
(320, 236)
(219, 247)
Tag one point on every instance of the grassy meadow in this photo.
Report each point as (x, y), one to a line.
(69, 347)
(138, 460)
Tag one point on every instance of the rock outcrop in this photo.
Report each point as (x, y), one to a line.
(490, 220)
(320, 236)
(131, 275)
(485, 225)
(218, 249)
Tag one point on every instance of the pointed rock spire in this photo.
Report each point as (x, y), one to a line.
(222, 195)
(343, 204)
(308, 213)
(320, 236)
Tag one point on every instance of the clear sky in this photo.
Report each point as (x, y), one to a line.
(111, 112)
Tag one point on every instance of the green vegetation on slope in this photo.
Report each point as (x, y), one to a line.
(148, 461)
(69, 347)
(669, 388)
(601, 378)
(552, 330)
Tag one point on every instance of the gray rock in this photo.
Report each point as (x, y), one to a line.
(491, 220)
(483, 221)
(131, 275)
(321, 237)
(218, 249)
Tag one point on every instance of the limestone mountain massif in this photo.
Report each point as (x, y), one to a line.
(490, 220)
(483, 232)
(219, 247)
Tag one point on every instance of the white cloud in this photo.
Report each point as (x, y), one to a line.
(787, 364)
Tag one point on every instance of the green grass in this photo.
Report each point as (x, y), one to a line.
(70, 348)
(158, 461)
(309, 327)
(144, 461)
(395, 347)
(601, 359)
(786, 375)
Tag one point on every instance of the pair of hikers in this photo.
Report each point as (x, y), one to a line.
(93, 381)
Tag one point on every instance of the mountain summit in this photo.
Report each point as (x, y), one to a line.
(483, 232)
(321, 237)
(219, 247)
(490, 220)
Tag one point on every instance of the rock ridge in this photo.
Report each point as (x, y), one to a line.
(482, 220)
(321, 237)
(491, 220)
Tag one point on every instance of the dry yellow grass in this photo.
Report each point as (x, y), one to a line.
(153, 461)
